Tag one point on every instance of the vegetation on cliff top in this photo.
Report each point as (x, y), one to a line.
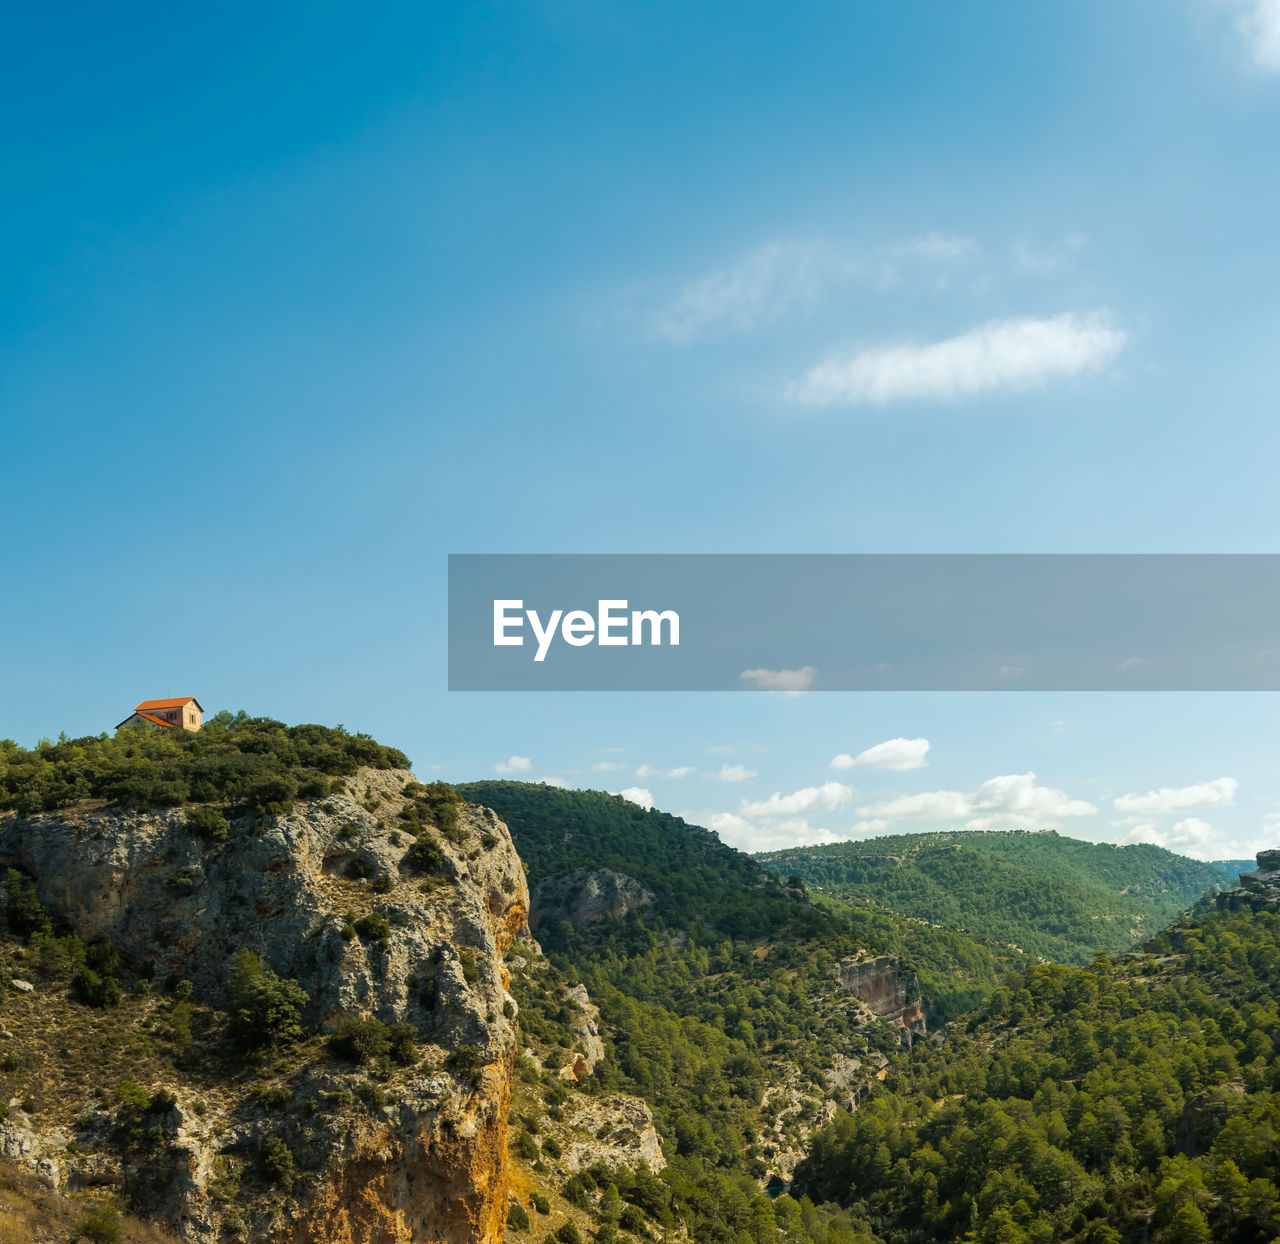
(254, 762)
(1054, 897)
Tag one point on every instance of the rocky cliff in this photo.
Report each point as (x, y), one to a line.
(1257, 891)
(889, 991)
(585, 896)
(328, 895)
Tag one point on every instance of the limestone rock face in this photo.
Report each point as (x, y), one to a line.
(623, 1130)
(1257, 891)
(888, 990)
(585, 896)
(433, 1164)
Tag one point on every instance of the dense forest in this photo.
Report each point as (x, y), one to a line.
(1136, 1099)
(1048, 896)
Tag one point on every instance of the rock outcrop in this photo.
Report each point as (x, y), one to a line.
(890, 991)
(585, 896)
(1257, 891)
(428, 1164)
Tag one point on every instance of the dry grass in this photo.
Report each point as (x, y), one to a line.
(30, 1213)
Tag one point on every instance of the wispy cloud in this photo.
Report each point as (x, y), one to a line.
(790, 682)
(733, 773)
(651, 771)
(1013, 354)
(767, 282)
(1169, 800)
(1046, 260)
(939, 247)
(897, 754)
(1258, 22)
(514, 764)
(785, 277)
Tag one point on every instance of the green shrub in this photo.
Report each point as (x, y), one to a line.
(373, 928)
(631, 1219)
(358, 1040)
(265, 1009)
(467, 961)
(272, 1096)
(569, 1234)
(371, 1094)
(102, 1226)
(540, 1203)
(551, 1147)
(95, 990)
(208, 823)
(527, 1147)
(25, 914)
(277, 1163)
(466, 1061)
(425, 856)
(517, 1217)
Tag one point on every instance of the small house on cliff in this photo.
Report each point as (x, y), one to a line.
(181, 714)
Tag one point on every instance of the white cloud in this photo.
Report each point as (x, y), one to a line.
(607, 766)
(790, 682)
(769, 281)
(866, 829)
(553, 781)
(638, 795)
(775, 835)
(734, 773)
(1172, 799)
(824, 798)
(514, 764)
(1011, 354)
(1013, 801)
(897, 754)
(1258, 22)
(933, 805)
(1192, 836)
(649, 771)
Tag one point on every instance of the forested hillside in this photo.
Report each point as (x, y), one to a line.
(1049, 896)
(1136, 1099)
(718, 1000)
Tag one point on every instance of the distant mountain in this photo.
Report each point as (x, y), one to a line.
(1231, 869)
(1052, 897)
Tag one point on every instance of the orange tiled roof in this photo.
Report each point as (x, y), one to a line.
(149, 704)
(167, 724)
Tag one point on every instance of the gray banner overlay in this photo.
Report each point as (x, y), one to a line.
(864, 622)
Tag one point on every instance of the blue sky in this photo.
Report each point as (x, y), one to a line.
(298, 302)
